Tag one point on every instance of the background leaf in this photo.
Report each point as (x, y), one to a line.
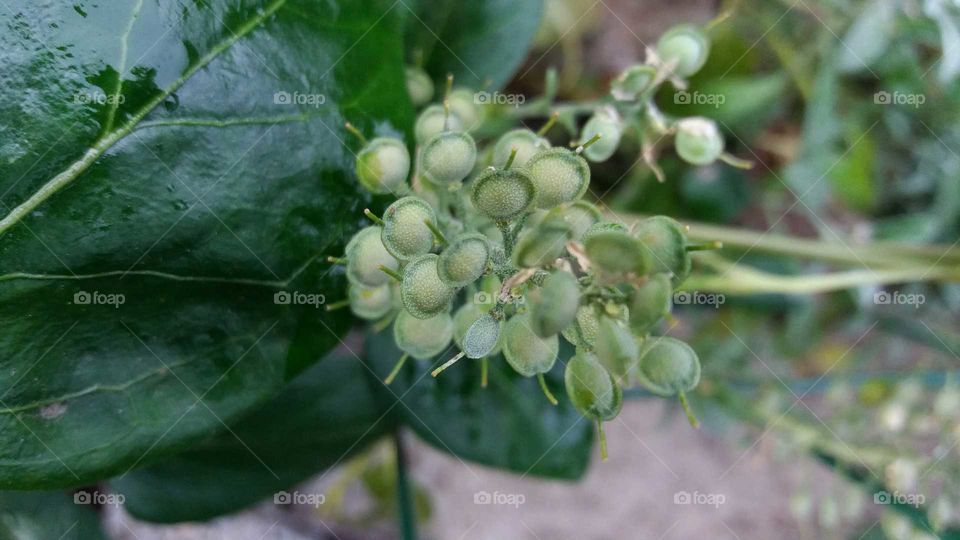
(51, 514)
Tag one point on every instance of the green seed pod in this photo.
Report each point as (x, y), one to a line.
(698, 140)
(371, 303)
(554, 305)
(464, 317)
(432, 121)
(464, 260)
(422, 291)
(559, 176)
(591, 388)
(383, 165)
(448, 157)
(526, 352)
(541, 245)
(579, 215)
(605, 122)
(502, 195)
(405, 231)
(365, 254)
(617, 252)
(463, 103)
(686, 45)
(632, 82)
(650, 302)
(602, 226)
(482, 337)
(665, 239)
(615, 347)
(586, 326)
(419, 85)
(423, 338)
(668, 366)
(526, 142)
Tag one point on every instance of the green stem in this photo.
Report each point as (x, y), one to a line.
(406, 514)
(692, 418)
(396, 369)
(372, 217)
(338, 305)
(546, 391)
(603, 440)
(391, 273)
(441, 239)
(484, 371)
(447, 364)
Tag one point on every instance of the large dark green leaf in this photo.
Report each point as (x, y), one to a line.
(49, 514)
(211, 187)
(509, 425)
(325, 415)
(477, 41)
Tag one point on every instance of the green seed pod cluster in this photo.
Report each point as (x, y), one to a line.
(502, 256)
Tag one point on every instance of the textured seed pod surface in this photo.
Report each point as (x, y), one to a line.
(422, 291)
(365, 254)
(503, 194)
(448, 157)
(554, 306)
(668, 366)
(423, 338)
(464, 260)
(591, 388)
(383, 165)
(526, 142)
(559, 176)
(527, 353)
(405, 231)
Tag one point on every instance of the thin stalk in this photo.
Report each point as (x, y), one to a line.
(406, 514)
(396, 369)
(546, 391)
(484, 371)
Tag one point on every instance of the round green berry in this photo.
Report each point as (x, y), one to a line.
(583, 331)
(617, 252)
(482, 338)
(526, 352)
(591, 388)
(422, 291)
(502, 195)
(423, 338)
(365, 254)
(665, 239)
(668, 366)
(601, 227)
(632, 82)
(448, 157)
(687, 46)
(383, 165)
(464, 260)
(559, 176)
(554, 305)
(698, 140)
(405, 231)
(615, 346)
(434, 120)
(579, 215)
(463, 104)
(419, 85)
(650, 302)
(464, 318)
(371, 303)
(526, 142)
(541, 245)
(605, 122)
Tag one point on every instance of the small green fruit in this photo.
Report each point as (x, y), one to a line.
(554, 305)
(668, 366)
(419, 85)
(464, 105)
(432, 121)
(586, 324)
(448, 157)
(616, 252)
(559, 176)
(615, 347)
(541, 245)
(405, 231)
(371, 303)
(665, 239)
(650, 302)
(502, 195)
(686, 45)
(482, 337)
(602, 227)
(422, 291)
(423, 338)
(579, 215)
(365, 254)
(632, 82)
(464, 318)
(591, 388)
(526, 142)
(526, 352)
(698, 140)
(464, 260)
(605, 122)
(383, 165)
